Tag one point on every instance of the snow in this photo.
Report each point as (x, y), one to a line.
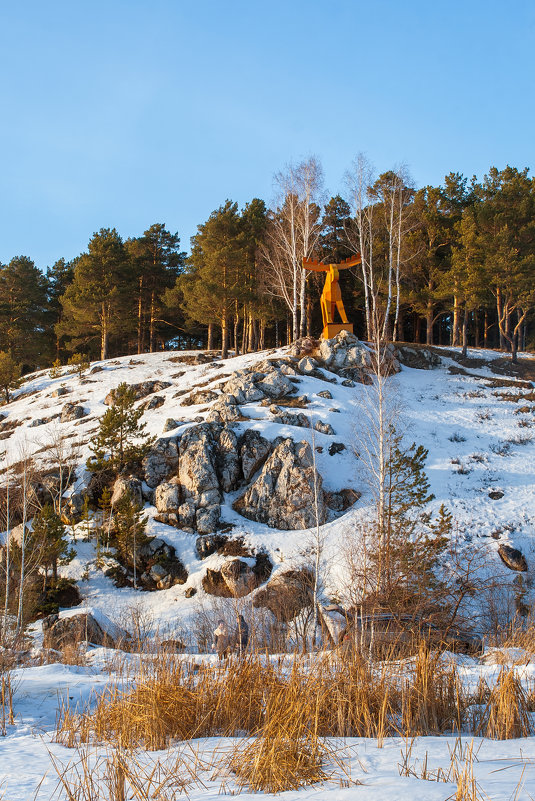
(476, 444)
(363, 768)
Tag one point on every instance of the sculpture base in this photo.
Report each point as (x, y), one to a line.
(332, 329)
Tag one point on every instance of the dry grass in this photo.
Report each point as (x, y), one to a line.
(173, 699)
(507, 713)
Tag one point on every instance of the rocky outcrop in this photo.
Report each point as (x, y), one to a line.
(513, 558)
(124, 485)
(72, 411)
(60, 632)
(254, 450)
(285, 418)
(198, 397)
(237, 577)
(340, 501)
(161, 461)
(198, 476)
(416, 357)
(141, 390)
(286, 594)
(284, 494)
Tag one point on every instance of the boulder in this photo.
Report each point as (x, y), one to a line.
(324, 428)
(325, 394)
(197, 472)
(199, 397)
(207, 519)
(224, 411)
(513, 558)
(228, 460)
(254, 450)
(161, 460)
(342, 500)
(167, 498)
(276, 385)
(153, 403)
(124, 485)
(208, 544)
(141, 390)
(169, 425)
(243, 388)
(237, 577)
(283, 495)
(286, 594)
(419, 358)
(72, 411)
(59, 392)
(286, 418)
(84, 626)
(307, 365)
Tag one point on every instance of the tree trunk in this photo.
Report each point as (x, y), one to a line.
(210, 338)
(465, 331)
(236, 344)
(140, 318)
(429, 323)
(455, 338)
(224, 337)
(104, 334)
(151, 323)
(486, 330)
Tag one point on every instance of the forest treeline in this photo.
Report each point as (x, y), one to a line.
(451, 264)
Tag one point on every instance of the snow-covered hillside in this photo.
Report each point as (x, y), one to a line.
(480, 445)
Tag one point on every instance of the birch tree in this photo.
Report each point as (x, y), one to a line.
(292, 234)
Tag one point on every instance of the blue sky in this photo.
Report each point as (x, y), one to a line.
(128, 113)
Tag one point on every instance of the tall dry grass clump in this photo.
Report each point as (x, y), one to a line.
(172, 699)
(507, 713)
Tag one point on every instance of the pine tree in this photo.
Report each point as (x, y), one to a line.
(49, 532)
(157, 262)
(23, 311)
(9, 375)
(98, 302)
(213, 283)
(115, 445)
(129, 532)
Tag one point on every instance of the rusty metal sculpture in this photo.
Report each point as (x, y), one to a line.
(331, 296)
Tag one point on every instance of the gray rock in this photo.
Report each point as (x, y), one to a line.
(60, 391)
(125, 484)
(186, 515)
(325, 394)
(307, 365)
(199, 397)
(513, 558)
(141, 390)
(286, 418)
(237, 578)
(170, 425)
(72, 411)
(324, 428)
(276, 385)
(243, 389)
(167, 498)
(286, 594)
(228, 460)
(348, 382)
(417, 357)
(207, 519)
(161, 461)
(254, 450)
(197, 470)
(83, 627)
(283, 495)
(336, 447)
(208, 544)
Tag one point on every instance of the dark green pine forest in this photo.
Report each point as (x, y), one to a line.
(447, 265)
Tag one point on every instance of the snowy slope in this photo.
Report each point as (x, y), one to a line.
(477, 443)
